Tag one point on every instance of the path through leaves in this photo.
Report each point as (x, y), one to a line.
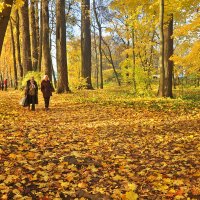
(95, 151)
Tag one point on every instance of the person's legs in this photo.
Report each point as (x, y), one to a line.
(46, 100)
(33, 102)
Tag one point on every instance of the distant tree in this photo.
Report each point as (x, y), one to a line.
(98, 21)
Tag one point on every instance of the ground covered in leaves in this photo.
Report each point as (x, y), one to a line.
(87, 147)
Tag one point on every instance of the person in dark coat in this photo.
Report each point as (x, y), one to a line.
(47, 89)
(32, 93)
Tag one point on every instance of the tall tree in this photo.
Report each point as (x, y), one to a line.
(61, 52)
(25, 36)
(40, 40)
(4, 18)
(17, 39)
(168, 42)
(100, 44)
(161, 91)
(14, 55)
(86, 43)
(34, 45)
(46, 54)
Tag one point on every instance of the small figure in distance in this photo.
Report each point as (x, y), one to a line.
(32, 93)
(47, 89)
(6, 84)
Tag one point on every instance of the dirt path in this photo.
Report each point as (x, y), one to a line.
(92, 151)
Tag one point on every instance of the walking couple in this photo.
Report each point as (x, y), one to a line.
(31, 92)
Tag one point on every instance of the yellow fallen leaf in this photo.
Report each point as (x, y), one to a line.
(131, 196)
(12, 155)
(82, 185)
(132, 186)
(117, 178)
(64, 184)
(70, 176)
(2, 177)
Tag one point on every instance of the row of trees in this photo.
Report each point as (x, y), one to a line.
(31, 43)
(134, 39)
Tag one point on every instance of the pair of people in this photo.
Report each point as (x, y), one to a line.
(32, 92)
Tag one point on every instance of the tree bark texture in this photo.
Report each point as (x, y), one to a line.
(61, 51)
(46, 55)
(25, 36)
(86, 43)
(34, 45)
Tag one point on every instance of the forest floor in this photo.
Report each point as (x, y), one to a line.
(88, 146)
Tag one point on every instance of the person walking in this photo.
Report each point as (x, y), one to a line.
(47, 89)
(32, 93)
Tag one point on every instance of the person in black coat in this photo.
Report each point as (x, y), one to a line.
(32, 93)
(47, 89)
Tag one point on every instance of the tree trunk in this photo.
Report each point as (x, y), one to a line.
(34, 45)
(86, 43)
(4, 18)
(40, 40)
(168, 32)
(17, 38)
(161, 92)
(14, 55)
(134, 64)
(100, 46)
(25, 33)
(46, 55)
(61, 51)
(111, 61)
(96, 59)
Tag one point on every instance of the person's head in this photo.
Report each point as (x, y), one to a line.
(32, 78)
(46, 78)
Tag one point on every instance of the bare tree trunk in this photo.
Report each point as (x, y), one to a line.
(168, 31)
(96, 59)
(26, 49)
(40, 40)
(134, 64)
(17, 38)
(100, 46)
(14, 55)
(111, 61)
(33, 29)
(61, 53)
(161, 92)
(4, 18)
(50, 35)
(86, 43)
(46, 55)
